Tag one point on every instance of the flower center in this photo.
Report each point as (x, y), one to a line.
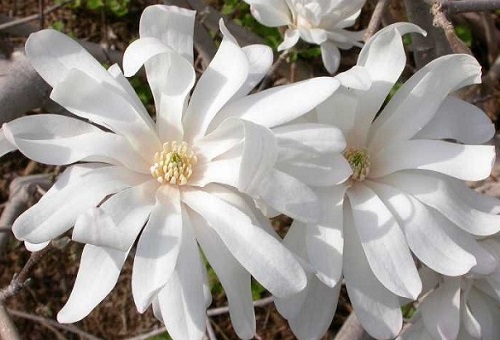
(359, 160)
(173, 164)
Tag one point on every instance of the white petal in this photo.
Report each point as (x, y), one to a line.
(118, 221)
(97, 276)
(140, 51)
(281, 104)
(310, 137)
(60, 140)
(325, 242)
(313, 35)
(313, 322)
(416, 102)
(454, 120)
(424, 235)
(468, 321)
(35, 246)
(88, 98)
(158, 247)
(260, 59)
(261, 254)
(384, 57)
(357, 77)
(233, 277)
(270, 13)
(181, 300)
(225, 171)
(224, 76)
(54, 54)
(441, 310)
(384, 243)
(377, 308)
(291, 37)
(50, 218)
(484, 314)
(288, 195)
(339, 109)
(174, 26)
(444, 157)
(5, 145)
(330, 54)
(437, 193)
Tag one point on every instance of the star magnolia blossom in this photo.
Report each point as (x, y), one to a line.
(320, 22)
(405, 196)
(465, 307)
(177, 177)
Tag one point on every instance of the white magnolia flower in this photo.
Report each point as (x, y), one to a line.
(320, 22)
(177, 177)
(405, 197)
(466, 307)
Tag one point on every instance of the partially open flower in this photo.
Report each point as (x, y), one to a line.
(320, 22)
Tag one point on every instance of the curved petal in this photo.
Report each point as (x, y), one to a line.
(118, 221)
(181, 299)
(233, 277)
(438, 194)
(97, 276)
(158, 247)
(60, 140)
(325, 241)
(173, 26)
(53, 55)
(441, 310)
(339, 109)
(261, 254)
(454, 119)
(416, 102)
(224, 76)
(224, 171)
(280, 104)
(377, 308)
(291, 37)
(444, 157)
(424, 234)
(485, 314)
(357, 77)
(313, 35)
(384, 243)
(5, 145)
(271, 13)
(103, 106)
(384, 57)
(330, 54)
(50, 218)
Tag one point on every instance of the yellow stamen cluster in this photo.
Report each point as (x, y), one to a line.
(174, 163)
(359, 160)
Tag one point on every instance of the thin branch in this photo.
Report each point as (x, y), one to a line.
(34, 16)
(55, 324)
(440, 20)
(210, 330)
(20, 280)
(8, 330)
(376, 19)
(351, 329)
(464, 6)
(270, 73)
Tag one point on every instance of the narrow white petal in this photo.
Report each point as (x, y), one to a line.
(51, 217)
(118, 221)
(90, 99)
(416, 102)
(35, 246)
(225, 171)
(60, 140)
(454, 119)
(272, 13)
(224, 76)
(233, 277)
(383, 243)
(53, 54)
(339, 109)
(384, 57)
(424, 234)
(291, 37)
(174, 26)
(357, 77)
(261, 254)
(440, 195)
(377, 308)
(486, 314)
(444, 157)
(181, 300)
(5, 145)
(224, 138)
(97, 276)
(325, 241)
(441, 310)
(313, 35)
(158, 247)
(469, 322)
(281, 104)
(330, 54)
